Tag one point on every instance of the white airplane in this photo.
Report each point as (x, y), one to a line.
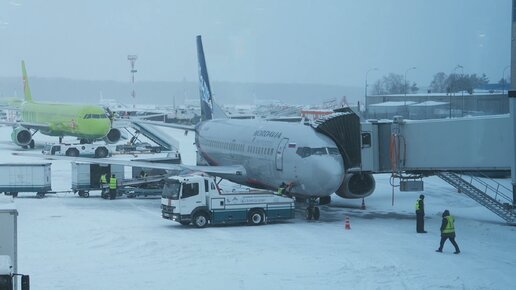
(264, 154)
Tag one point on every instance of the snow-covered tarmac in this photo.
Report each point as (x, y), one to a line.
(68, 242)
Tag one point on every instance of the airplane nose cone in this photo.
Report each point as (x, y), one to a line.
(328, 173)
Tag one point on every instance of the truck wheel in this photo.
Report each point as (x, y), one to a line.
(40, 195)
(84, 193)
(157, 150)
(101, 152)
(14, 194)
(72, 152)
(256, 217)
(200, 220)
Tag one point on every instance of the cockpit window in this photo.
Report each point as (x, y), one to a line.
(319, 151)
(303, 151)
(307, 151)
(333, 151)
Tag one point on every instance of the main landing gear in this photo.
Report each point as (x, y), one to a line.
(312, 211)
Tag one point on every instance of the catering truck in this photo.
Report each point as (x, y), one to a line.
(198, 200)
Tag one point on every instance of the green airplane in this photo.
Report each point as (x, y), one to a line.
(86, 122)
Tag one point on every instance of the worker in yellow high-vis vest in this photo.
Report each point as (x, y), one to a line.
(448, 232)
(112, 187)
(420, 215)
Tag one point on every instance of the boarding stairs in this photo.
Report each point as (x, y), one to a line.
(494, 197)
(156, 135)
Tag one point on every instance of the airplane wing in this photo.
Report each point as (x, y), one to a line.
(27, 125)
(220, 171)
(163, 124)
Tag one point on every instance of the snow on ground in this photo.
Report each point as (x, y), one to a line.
(67, 242)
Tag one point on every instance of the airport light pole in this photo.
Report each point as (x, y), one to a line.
(132, 59)
(405, 87)
(462, 91)
(365, 93)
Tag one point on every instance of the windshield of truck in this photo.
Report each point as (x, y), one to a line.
(171, 189)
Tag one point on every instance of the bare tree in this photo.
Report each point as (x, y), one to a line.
(393, 84)
(438, 84)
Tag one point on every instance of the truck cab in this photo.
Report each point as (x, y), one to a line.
(197, 199)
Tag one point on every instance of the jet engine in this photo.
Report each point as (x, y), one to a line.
(113, 136)
(21, 136)
(356, 185)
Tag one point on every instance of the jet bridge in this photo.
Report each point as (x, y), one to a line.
(462, 144)
(343, 127)
(452, 149)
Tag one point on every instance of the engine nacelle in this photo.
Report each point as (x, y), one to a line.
(357, 185)
(113, 136)
(21, 136)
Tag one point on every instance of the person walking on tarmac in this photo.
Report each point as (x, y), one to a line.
(448, 232)
(112, 187)
(420, 215)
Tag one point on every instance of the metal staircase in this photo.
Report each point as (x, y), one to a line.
(495, 196)
(156, 135)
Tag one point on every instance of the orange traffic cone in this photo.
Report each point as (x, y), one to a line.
(348, 225)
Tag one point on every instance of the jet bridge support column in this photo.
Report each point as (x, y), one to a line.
(512, 101)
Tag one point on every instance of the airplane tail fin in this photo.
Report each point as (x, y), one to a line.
(26, 87)
(209, 109)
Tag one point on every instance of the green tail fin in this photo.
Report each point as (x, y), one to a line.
(26, 87)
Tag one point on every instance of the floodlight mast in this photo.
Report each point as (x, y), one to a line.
(132, 59)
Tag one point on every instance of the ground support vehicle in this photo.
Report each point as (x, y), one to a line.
(142, 186)
(172, 158)
(86, 176)
(138, 148)
(198, 200)
(25, 177)
(9, 246)
(83, 150)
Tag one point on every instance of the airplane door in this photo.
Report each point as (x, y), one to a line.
(279, 153)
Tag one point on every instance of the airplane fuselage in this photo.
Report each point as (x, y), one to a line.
(272, 153)
(82, 121)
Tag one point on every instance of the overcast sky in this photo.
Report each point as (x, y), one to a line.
(271, 41)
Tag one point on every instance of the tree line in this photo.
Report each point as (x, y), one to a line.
(441, 83)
